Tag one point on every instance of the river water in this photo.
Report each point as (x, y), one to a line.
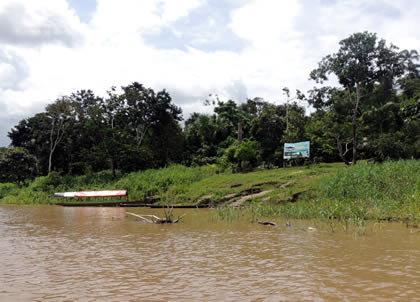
(51, 253)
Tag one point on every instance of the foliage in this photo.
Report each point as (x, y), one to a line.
(16, 165)
(392, 180)
(375, 114)
(132, 130)
(141, 185)
(248, 155)
(362, 62)
(340, 196)
(7, 189)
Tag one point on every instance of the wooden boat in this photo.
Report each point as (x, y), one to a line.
(92, 198)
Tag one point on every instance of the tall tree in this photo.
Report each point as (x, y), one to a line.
(330, 127)
(60, 113)
(32, 134)
(111, 122)
(16, 165)
(360, 62)
(268, 130)
(144, 108)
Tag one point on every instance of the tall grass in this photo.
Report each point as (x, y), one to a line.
(164, 182)
(7, 189)
(139, 184)
(393, 180)
(353, 194)
(390, 190)
(387, 191)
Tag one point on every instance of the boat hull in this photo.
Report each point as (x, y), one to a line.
(92, 204)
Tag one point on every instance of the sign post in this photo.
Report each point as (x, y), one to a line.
(296, 150)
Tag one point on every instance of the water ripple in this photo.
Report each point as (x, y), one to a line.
(98, 254)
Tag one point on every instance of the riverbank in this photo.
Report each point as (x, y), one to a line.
(388, 191)
(178, 184)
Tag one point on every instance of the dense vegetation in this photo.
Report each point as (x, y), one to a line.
(375, 114)
(134, 139)
(367, 191)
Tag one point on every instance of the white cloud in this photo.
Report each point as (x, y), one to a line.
(32, 23)
(12, 70)
(125, 17)
(266, 22)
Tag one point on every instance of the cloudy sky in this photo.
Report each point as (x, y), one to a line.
(237, 49)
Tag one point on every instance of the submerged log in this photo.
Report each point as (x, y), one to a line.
(157, 220)
(267, 223)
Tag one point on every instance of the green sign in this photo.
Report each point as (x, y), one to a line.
(296, 150)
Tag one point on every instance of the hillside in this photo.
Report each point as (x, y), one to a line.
(366, 191)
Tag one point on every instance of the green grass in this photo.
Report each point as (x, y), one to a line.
(344, 196)
(176, 184)
(387, 191)
(140, 185)
(394, 180)
(282, 183)
(162, 182)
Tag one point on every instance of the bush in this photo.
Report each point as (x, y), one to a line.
(248, 154)
(389, 146)
(141, 185)
(7, 189)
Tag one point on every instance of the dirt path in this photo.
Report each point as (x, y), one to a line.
(240, 201)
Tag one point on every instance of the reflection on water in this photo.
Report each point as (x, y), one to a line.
(90, 254)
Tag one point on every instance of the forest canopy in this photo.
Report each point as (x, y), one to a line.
(374, 113)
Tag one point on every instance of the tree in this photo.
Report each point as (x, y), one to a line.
(144, 108)
(207, 136)
(84, 137)
(31, 134)
(60, 113)
(410, 97)
(109, 125)
(201, 139)
(228, 116)
(360, 62)
(330, 126)
(322, 136)
(16, 165)
(247, 154)
(268, 130)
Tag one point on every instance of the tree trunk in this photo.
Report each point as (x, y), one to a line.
(50, 162)
(113, 167)
(140, 133)
(239, 143)
(354, 124)
(55, 141)
(51, 145)
(239, 133)
(37, 170)
(340, 151)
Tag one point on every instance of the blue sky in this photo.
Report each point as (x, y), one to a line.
(237, 49)
(84, 8)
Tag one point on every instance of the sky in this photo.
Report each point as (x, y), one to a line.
(236, 49)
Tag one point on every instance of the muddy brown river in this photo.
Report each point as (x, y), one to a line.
(51, 253)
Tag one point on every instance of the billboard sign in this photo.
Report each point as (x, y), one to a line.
(296, 150)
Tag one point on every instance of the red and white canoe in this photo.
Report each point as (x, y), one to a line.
(108, 193)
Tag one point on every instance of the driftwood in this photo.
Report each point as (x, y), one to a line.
(158, 220)
(267, 223)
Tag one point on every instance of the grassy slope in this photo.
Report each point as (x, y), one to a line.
(389, 191)
(366, 191)
(383, 191)
(174, 185)
(282, 184)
